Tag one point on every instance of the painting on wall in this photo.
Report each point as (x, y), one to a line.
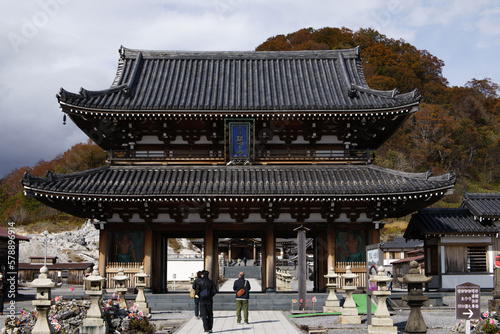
(350, 246)
(127, 246)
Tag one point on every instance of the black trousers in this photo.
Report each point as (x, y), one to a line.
(207, 314)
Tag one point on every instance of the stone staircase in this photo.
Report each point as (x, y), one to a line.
(250, 271)
(226, 301)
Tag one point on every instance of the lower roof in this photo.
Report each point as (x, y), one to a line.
(114, 182)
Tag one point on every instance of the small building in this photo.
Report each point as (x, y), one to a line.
(459, 243)
(69, 273)
(9, 243)
(401, 267)
(398, 248)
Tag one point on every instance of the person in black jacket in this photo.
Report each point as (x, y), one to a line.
(206, 289)
(196, 297)
(242, 301)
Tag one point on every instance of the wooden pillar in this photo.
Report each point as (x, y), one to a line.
(375, 236)
(254, 252)
(322, 261)
(103, 252)
(209, 249)
(330, 240)
(148, 254)
(302, 264)
(230, 252)
(157, 262)
(270, 259)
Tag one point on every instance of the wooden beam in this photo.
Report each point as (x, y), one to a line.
(209, 249)
(270, 258)
(103, 252)
(148, 252)
(330, 240)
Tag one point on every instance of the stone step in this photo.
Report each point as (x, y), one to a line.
(226, 301)
(250, 271)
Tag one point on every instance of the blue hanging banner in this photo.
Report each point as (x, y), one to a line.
(239, 141)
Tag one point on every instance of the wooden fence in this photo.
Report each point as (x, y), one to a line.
(358, 268)
(129, 269)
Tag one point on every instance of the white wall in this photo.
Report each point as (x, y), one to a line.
(183, 268)
(485, 281)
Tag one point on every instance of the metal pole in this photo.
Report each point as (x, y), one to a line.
(301, 265)
(467, 326)
(45, 233)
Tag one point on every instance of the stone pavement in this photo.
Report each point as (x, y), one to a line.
(260, 322)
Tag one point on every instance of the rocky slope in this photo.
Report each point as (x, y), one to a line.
(82, 245)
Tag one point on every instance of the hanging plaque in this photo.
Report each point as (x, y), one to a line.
(239, 141)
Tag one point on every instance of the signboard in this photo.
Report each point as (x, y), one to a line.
(467, 297)
(239, 141)
(374, 259)
(497, 261)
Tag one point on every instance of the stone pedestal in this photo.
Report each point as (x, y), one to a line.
(350, 313)
(382, 323)
(332, 303)
(94, 324)
(140, 300)
(415, 298)
(43, 302)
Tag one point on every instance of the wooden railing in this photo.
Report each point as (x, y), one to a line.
(358, 268)
(129, 269)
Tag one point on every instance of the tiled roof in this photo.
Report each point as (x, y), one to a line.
(400, 242)
(483, 205)
(258, 180)
(266, 81)
(445, 221)
(4, 234)
(56, 266)
(419, 258)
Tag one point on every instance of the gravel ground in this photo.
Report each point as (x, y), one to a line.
(439, 320)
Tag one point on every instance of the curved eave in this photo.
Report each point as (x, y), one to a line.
(406, 109)
(50, 186)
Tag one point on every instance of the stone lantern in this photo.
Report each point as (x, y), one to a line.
(288, 281)
(415, 298)
(94, 324)
(43, 301)
(140, 284)
(349, 311)
(382, 323)
(121, 287)
(332, 304)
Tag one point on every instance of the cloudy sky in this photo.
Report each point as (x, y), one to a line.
(48, 44)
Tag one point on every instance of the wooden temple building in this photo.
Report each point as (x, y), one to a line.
(218, 145)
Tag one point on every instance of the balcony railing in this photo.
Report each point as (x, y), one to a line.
(261, 155)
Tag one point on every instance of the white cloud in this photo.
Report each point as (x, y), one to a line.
(47, 44)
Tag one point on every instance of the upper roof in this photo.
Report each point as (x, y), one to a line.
(262, 81)
(433, 221)
(483, 205)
